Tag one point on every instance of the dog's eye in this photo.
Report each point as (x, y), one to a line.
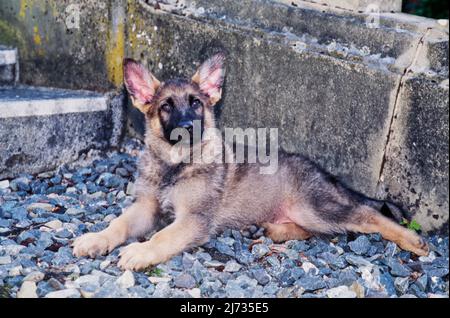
(166, 107)
(196, 103)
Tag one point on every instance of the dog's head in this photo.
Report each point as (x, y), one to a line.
(177, 103)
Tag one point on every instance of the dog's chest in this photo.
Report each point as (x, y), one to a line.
(170, 177)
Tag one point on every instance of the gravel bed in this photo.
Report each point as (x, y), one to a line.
(41, 215)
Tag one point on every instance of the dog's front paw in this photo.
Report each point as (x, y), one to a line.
(137, 256)
(91, 244)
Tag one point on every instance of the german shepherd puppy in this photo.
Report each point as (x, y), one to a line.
(298, 201)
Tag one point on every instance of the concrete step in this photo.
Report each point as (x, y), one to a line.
(42, 128)
(325, 29)
(9, 66)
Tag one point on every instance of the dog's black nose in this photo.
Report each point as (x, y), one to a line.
(186, 124)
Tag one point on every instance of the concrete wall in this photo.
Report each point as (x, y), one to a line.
(369, 102)
(59, 50)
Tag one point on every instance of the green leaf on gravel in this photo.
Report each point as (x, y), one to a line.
(155, 272)
(413, 225)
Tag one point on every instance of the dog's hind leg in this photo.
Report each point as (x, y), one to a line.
(368, 220)
(285, 232)
(337, 218)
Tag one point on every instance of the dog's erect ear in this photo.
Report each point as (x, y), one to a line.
(140, 83)
(210, 77)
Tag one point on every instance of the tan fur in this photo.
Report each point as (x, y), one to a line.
(294, 203)
(285, 232)
(372, 222)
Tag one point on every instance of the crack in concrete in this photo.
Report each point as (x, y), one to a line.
(419, 47)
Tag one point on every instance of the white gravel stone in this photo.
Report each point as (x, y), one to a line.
(91, 279)
(131, 189)
(430, 295)
(73, 211)
(157, 280)
(27, 290)
(430, 258)
(121, 195)
(12, 250)
(5, 260)
(15, 271)
(4, 184)
(126, 280)
(34, 277)
(71, 190)
(46, 175)
(105, 264)
(339, 249)
(358, 289)
(340, 292)
(370, 280)
(97, 195)
(194, 292)
(43, 206)
(409, 296)
(310, 267)
(213, 264)
(54, 225)
(87, 294)
(65, 293)
(232, 266)
(70, 284)
(72, 268)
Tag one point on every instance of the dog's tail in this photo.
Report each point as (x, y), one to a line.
(387, 208)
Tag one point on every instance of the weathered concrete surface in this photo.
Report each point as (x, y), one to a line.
(64, 43)
(9, 66)
(315, 76)
(416, 163)
(34, 144)
(417, 158)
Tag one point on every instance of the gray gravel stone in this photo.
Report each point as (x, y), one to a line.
(401, 284)
(398, 269)
(391, 249)
(260, 250)
(261, 276)
(422, 282)
(357, 260)
(184, 281)
(310, 283)
(162, 290)
(361, 245)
